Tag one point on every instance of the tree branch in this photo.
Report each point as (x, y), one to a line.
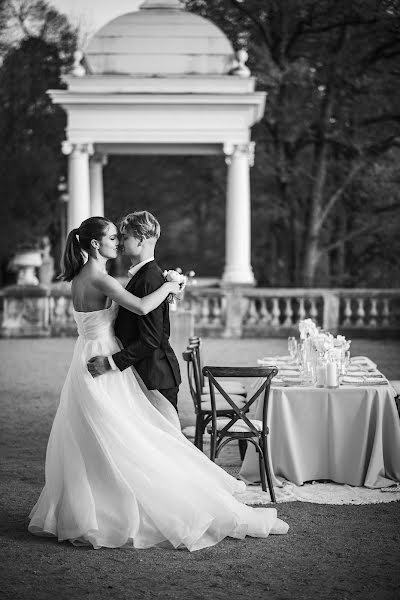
(335, 197)
(350, 236)
(264, 33)
(380, 119)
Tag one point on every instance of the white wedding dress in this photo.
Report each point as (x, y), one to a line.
(120, 472)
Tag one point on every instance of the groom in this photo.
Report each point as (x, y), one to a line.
(145, 339)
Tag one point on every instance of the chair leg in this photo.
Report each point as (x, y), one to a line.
(267, 468)
(197, 432)
(262, 470)
(242, 448)
(201, 433)
(213, 446)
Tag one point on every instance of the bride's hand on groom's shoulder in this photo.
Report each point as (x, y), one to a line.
(98, 365)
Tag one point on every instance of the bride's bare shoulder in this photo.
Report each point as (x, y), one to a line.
(103, 281)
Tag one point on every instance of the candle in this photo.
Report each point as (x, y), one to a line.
(331, 374)
(321, 375)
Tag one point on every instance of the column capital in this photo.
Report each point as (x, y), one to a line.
(99, 158)
(68, 148)
(235, 150)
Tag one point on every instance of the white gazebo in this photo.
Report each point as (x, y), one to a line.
(162, 81)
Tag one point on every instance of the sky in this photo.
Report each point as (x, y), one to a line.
(90, 15)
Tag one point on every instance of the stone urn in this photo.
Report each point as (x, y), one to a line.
(26, 262)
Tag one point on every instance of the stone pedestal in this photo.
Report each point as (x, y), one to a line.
(26, 311)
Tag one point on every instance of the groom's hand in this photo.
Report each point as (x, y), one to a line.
(98, 365)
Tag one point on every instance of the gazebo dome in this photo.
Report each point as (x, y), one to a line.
(159, 39)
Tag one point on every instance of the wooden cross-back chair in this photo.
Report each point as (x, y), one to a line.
(239, 426)
(202, 402)
(233, 387)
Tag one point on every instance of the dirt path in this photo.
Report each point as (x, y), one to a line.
(331, 552)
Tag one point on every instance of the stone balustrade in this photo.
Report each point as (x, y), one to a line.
(221, 312)
(254, 312)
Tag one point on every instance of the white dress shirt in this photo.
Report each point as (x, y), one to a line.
(132, 271)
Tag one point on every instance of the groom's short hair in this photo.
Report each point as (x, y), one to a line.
(141, 224)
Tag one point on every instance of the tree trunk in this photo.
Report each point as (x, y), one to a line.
(313, 227)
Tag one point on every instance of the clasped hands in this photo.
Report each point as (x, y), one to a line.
(98, 365)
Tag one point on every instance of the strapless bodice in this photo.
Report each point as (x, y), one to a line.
(96, 324)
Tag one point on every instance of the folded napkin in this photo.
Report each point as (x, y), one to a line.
(266, 363)
(356, 373)
(292, 380)
(288, 372)
(274, 359)
(354, 368)
(352, 379)
(375, 381)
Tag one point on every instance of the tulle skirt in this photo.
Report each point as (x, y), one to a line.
(119, 471)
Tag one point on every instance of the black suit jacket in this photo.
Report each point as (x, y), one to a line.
(146, 338)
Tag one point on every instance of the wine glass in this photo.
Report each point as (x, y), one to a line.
(346, 361)
(292, 347)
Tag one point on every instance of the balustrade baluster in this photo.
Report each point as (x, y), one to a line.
(288, 313)
(216, 312)
(302, 310)
(373, 313)
(252, 315)
(313, 312)
(360, 312)
(204, 311)
(265, 316)
(347, 312)
(385, 312)
(51, 309)
(276, 311)
(60, 310)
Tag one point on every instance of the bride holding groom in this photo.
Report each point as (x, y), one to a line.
(118, 471)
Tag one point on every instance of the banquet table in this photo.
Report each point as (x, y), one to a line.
(349, 434)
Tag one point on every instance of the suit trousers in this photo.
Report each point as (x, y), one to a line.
(171, 394)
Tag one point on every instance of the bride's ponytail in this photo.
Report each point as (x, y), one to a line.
(72, 261)
(79, 240)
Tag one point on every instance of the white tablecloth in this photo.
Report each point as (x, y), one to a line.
(348, 435)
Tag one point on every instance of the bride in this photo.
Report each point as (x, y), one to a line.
(118, 471)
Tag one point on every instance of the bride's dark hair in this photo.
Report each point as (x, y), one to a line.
(79, 239)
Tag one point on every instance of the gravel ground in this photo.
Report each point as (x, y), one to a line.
(330, 552)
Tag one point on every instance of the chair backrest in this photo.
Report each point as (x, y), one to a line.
(193, 375)
(195, 343)
(264, 376)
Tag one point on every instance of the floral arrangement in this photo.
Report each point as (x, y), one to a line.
(324, 343)
(175, 275)
(341, 342)
(307, 328)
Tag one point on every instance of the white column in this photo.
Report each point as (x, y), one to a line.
(78, 183)
(96, 185)
(238, 222)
